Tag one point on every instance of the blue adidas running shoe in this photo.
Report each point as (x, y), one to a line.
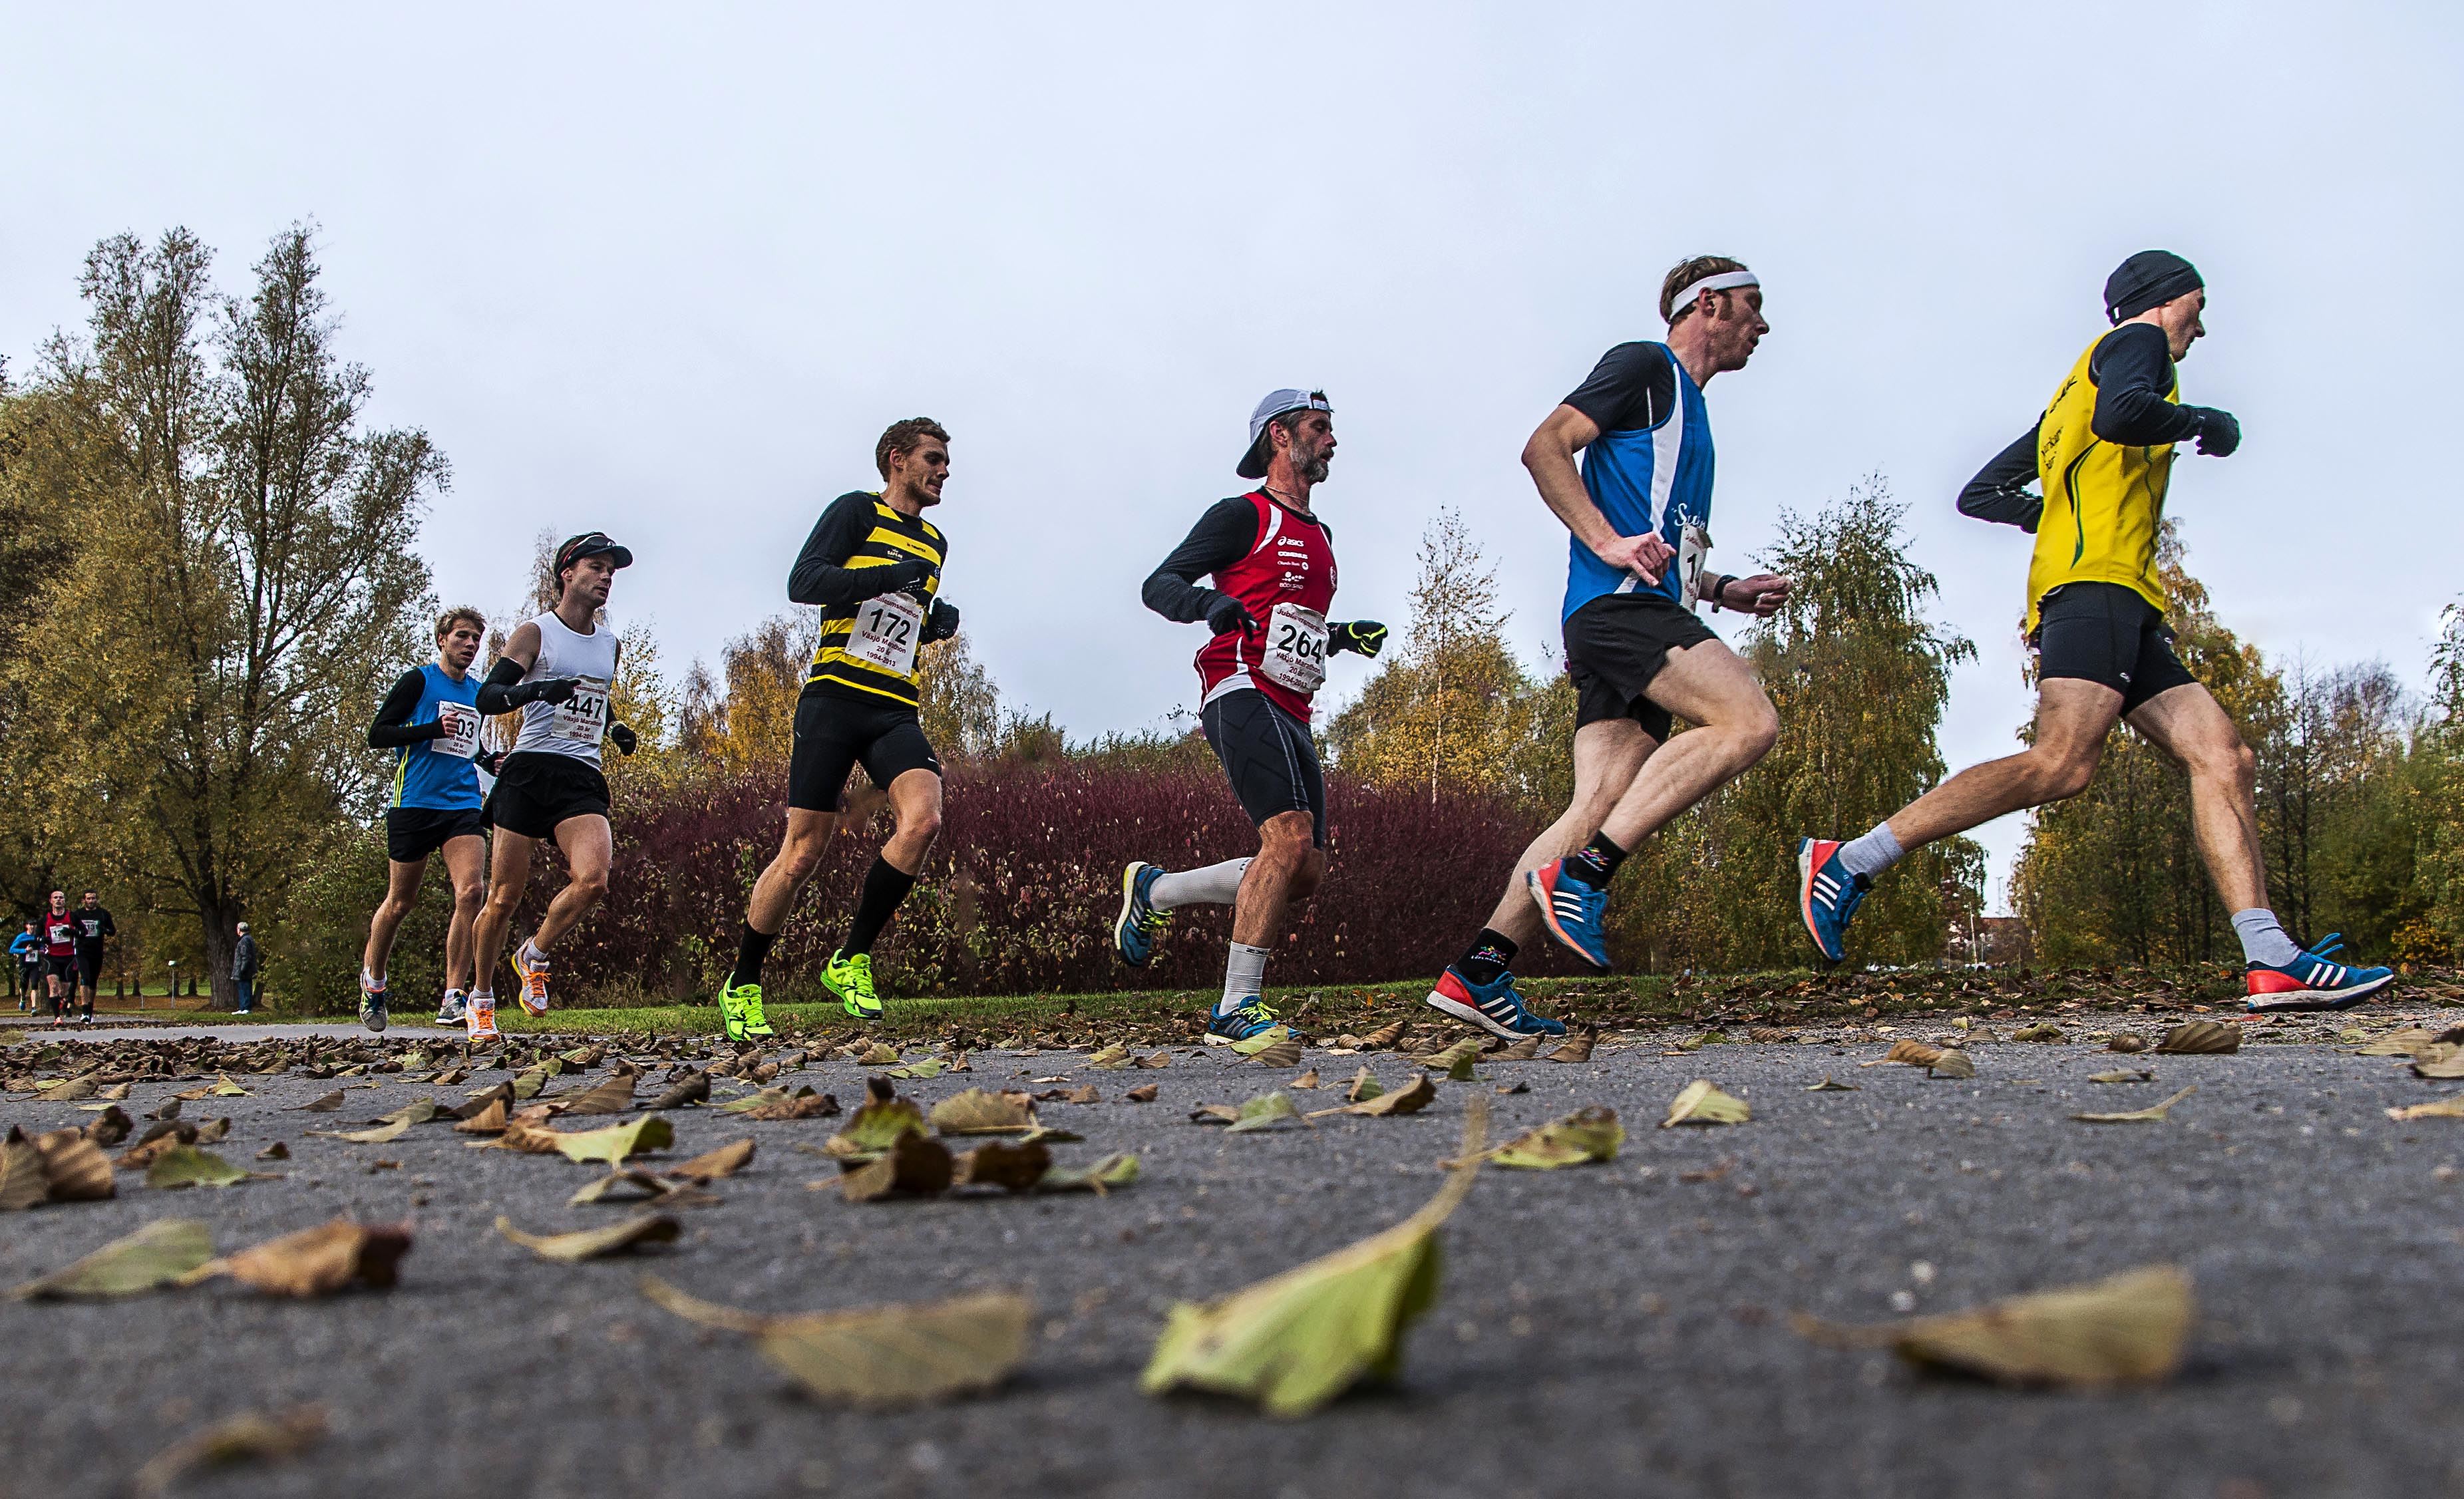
(1827, 895)
(1135, 929)
(1494, 1007)
(1248, 1018)
(1572, 910)
(2312, 982)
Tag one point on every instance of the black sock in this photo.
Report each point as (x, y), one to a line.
(751, 949)
(1486, 957)
(1594, 862)
(885, 885)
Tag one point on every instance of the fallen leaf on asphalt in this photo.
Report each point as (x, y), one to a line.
(644, 1187)
(1261, 1113)
(2140, 1075)
(1576, 1048)
(187, 1166)
(501, 1096)
(529, 1084)
(155, 1255)
(1523, 1051)
(1364, 1086)
(225, 1088)
(1298, 1339)
(210, 1133)
(1827, 1086)
(2201, 1037)
(975, 1111)
(418, 1112)
(238, 1439)
(1144, 1094)
(2408, 1042)
(879, 1355)
(1111, 1058)
(1517, 1087)
(524, 1136)
(1272, 1036)
(2127, 1328)
(916, 1165)
(1285, 1052)
(711, 1166)
(315, 1262)
(1912, 1053)
(614, 1143)
(67, 1090)
(490, 1120)
(880, 1054)
(1158, 1059)
(139, 1156)
(110, 1127)
(115, 1092)
(382, 1134)
(876, 1128)
(75, 1167)
(170, 1108)
(1701, 1103)
(1118, 1169)
(1382, 1036)
(1576, 1139)
(928, 1067)
(687, 1091)
(2126, 1042)
(589, 1244)
(1308, 1079)
(1770, 1035)
(2154, 1113)
(277, 1151)
(614, 1095)
(2451, 1107)
(1453, 1056)
(1410, 1098)
(997, 1164)
(2443, 1068)
(806, 1104)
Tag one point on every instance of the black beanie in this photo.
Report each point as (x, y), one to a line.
(2150, 279)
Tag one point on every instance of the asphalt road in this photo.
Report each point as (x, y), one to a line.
(1611, 1330)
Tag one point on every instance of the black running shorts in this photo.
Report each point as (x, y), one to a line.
(63, 965)
(834, 734)
(89, 967)
(1616, 645)
(2105, 634)
(540, 789)
(415, 832)
(1269, 756)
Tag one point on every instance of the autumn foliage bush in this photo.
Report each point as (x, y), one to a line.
(1020, 891)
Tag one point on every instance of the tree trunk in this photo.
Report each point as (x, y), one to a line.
(220, 939)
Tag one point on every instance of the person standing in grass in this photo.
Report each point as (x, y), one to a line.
(873, 565)
(243, 970)
(1272, 560)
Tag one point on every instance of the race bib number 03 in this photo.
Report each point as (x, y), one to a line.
(886, 634)
(1295, 649)
(461, 737)
(582, 718)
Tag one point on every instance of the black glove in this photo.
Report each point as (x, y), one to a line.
(1364, 635)
(2219, 434)
(1226, 614)
(493, 761)
(941, 624)
(624, 736)
(898, 578)
(546, 690)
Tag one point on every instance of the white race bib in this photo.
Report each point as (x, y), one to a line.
(886, 634)
(1693, 545)
(1295, 649)
(582, 718)
(461, 737)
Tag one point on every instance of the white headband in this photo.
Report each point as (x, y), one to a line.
(1725, 281)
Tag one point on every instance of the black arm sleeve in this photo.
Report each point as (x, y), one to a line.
(393, 727)
(821, 574)
(1999, 492)
(1630, 389)
(1221, 536)
(496, 694)
(2133, 370)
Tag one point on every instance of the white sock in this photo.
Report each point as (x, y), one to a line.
(532, 952)
(2262, 938)
(483, 999)
(1873, 853)
(1244, 975)
(1215, 885)
(371, 983)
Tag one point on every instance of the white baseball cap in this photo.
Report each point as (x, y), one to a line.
(1253, 461)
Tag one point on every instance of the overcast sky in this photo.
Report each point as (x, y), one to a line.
(668, 271)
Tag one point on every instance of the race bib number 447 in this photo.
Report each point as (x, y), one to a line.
(582, 718)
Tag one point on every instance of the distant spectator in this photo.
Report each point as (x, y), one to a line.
(243, 969)
(28, 949)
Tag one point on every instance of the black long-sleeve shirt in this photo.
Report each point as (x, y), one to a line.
(393, 728)
(1221, 536)
(2133, 370)
(821, 574)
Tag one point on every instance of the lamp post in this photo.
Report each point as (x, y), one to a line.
(173, 964)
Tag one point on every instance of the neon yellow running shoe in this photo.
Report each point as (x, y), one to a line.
(741, 1006)
(850, 977)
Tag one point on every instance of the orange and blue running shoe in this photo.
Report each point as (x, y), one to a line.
(532, 973)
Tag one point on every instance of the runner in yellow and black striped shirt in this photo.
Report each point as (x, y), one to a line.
(873, 565)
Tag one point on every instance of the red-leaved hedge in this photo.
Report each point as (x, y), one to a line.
(1020, 892)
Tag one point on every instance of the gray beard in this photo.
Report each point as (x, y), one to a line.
(1314, 470)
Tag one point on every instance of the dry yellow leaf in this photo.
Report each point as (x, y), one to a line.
(1702, 1103)
(2129, 1327)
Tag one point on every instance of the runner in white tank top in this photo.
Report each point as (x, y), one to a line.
(557, 669)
